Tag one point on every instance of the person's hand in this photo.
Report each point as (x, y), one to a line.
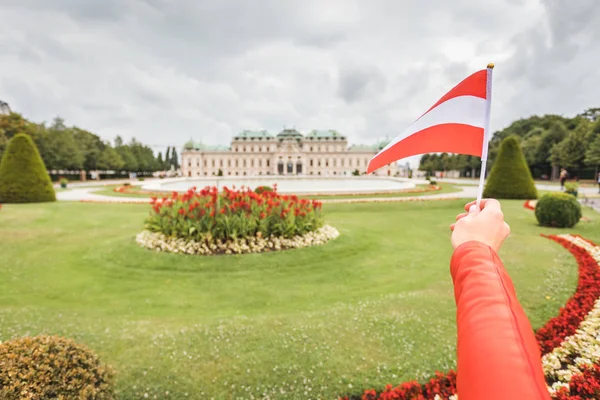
(486, 225)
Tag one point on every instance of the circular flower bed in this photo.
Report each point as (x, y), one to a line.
(233, 222)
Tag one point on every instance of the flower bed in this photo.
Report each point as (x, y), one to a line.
(213, 222)
(256, 244)
(570, 342)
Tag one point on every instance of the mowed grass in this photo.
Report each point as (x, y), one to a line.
(373, 307)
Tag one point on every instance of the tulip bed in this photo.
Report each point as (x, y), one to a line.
(233, 221)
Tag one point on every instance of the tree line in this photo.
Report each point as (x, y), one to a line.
(70, 148)
(549, 142)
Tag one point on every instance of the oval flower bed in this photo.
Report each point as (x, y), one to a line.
(570, 342)
(233, 222)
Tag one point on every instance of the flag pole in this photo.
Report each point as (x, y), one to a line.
(486, 133)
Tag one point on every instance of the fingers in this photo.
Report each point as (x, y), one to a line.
(485, 203)
(460, 216)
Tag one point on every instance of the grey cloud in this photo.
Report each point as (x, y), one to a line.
(359, 82)
(207, 69)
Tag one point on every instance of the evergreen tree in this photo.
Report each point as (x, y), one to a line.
(510, 177)
(23, 176)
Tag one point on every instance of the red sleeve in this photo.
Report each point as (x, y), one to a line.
(498, 356)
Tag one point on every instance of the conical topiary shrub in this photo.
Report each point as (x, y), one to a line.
(23, 175)
(510, 177)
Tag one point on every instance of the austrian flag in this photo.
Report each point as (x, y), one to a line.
(457, 123)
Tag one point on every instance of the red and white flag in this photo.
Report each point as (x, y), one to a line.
(457, 123)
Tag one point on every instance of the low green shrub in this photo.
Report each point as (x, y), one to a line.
(52, 367)
(262, 189)
(571, 188)
(559, 210)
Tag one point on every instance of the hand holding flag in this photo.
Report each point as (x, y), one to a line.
(456, 123)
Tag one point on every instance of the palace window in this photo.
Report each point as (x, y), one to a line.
(204, 163)
(244, 163)
(244, 149)
(236, 163)
(213, 163)
(311, 162)
(229, 163)
(268, 163)
(220, 162)
(252, 162)
(327, 163)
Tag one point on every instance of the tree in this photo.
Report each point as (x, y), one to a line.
(110, 160)
(130, 163)
(90, 147)
(592, 155)
(167, 165)
(12, 124)
(174, 159)
(570, 153)
(510, 177)
(23, 176)
(159, 161)
(59, 149)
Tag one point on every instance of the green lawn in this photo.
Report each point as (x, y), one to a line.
(446, 188)
(373, 307)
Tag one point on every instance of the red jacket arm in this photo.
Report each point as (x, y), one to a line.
(498, 356)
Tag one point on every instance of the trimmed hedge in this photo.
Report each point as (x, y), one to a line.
(23, 175)
(510, 177)
(52, 367)
(558, 210)
(262, 189)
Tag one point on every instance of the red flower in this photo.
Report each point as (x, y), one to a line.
(223, 210)
(212, 213)
(181, 211)
(262, 215)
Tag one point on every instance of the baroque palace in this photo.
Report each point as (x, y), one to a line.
(254, 153)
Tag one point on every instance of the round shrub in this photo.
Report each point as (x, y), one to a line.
(52, 367)
(23, 176)
(262, 189)
(510, 177)
(560, 210)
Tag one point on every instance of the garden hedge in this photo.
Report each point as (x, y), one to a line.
(559, 210)
(510, 177)
(52, 367)
(23, 175)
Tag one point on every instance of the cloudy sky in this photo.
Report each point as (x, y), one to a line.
(167, 70)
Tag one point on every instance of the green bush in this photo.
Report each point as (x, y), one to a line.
(52, 367)
(262, 189)
(571, 188)
(510, 177)
(558, 210)
(23, 176)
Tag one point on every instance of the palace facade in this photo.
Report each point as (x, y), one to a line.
(254, 153)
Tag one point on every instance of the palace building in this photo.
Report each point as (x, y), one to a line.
(254, 153)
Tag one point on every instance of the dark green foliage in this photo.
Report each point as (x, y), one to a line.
(262, 189)
(560, 210)
(23, 176)
(510, 177)
(52, 367)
